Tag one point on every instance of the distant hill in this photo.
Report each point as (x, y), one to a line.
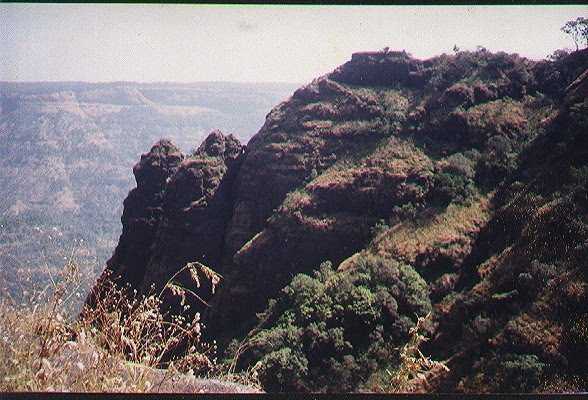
(66, 152)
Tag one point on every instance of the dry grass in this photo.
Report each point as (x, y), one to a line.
(353, 128)
(458, 223)
(297, 200)
(504, 117)
(399, 156)
(114, 347)
(414, 369)
(414, 366)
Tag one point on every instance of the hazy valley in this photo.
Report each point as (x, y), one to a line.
(67, 151)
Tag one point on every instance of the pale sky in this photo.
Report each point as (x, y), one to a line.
(188, 43)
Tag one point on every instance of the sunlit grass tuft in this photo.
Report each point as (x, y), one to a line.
(113, 347)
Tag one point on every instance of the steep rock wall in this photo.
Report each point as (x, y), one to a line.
(349, 150)
(177, 214)
(143, 209)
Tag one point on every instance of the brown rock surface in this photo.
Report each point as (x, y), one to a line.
(177, 213)
(197, 205)
(142, 213)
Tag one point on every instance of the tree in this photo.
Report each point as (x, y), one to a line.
(559, 54)
(578, 30)
(331, 331)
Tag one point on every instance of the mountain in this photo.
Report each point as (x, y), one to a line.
(389, 190)
(66, 152)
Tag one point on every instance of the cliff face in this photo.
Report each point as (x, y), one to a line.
(355, 147)
(143, 209)
(197, 205)
(521, 304)
(423, 182)
(177, 214)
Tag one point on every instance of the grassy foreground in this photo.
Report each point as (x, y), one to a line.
(121, 345)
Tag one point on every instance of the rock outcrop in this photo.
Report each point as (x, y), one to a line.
(382, 69)
(66, 155)
(428, 165)
(143, 210)
(197, 205)
(177, 214)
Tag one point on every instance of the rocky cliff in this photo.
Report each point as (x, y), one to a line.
(177, 214)
(424, 183)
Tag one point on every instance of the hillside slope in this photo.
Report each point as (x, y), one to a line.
(406, 176)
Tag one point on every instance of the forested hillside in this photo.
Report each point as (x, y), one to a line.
(450, 191)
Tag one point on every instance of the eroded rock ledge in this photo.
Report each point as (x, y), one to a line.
(178, 212)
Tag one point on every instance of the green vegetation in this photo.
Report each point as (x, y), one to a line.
(514, 373)
(454, 181)
(331, 331)
(578, 31)
(437, 159)
(450, 195)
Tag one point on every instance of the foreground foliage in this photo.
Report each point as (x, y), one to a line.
(113, 347)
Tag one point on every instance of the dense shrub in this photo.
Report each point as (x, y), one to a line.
(454, 180)
(451, 188)
(562, 68)
(519, 373)
(507, 373)
(499, 160)
(461, 164)
(404, 212)
(457, 95)
(330, 332)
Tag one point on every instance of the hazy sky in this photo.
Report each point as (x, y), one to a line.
(113, 42)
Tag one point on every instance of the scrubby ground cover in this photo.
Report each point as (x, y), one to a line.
(123, 344)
